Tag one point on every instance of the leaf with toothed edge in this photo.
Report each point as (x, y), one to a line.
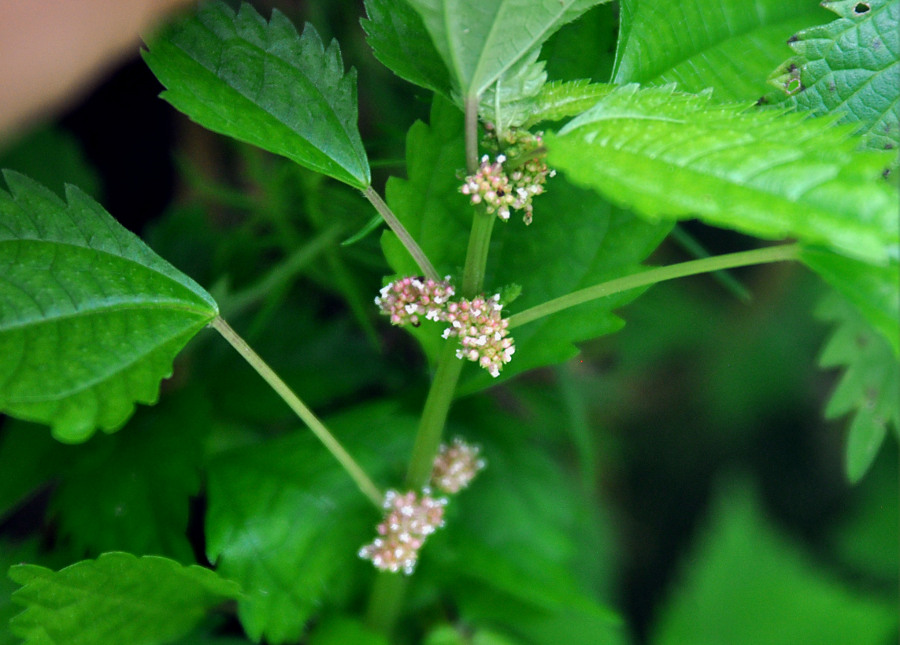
(262, 83)
(90, 318)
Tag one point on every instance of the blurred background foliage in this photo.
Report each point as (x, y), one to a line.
(679, 470)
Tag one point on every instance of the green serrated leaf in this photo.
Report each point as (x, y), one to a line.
(560, 100)
(132, 490)
(479, 40)
(397, 36)
(873, 290)
(773, 175)
(286, 521)
(261, 82)
(729, 46)
(868, 387)
(519, 83)
(589, 240)
(851, 68)
(117, 598)
(747, 584)
(90, 317)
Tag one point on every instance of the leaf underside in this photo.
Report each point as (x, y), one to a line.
(850, 67)
(765, 173)
(90, 317)
(262, 83)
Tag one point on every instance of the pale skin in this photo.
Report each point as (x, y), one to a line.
(53, 52)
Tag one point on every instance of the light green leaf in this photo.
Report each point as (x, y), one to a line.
(764, 173)
(398, 39)
(746, 584)
(559, 100)
(868, 388)
(851, 68)
(286, 521)
(262, 83)
(873, 290)
(480, 40)
(730, 46)
(117, 598)
(519, 83)
(90, 317)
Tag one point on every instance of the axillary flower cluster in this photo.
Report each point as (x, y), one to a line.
(410, 517)
(501, 188)
(477, 323)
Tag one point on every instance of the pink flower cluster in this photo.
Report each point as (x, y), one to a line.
(482, 332)
(477, 323)
(456, 466)
(500, 190)
(409, 520)
(406, 299)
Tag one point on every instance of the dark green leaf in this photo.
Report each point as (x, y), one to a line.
(262, 83)
(773, 175)
(398, 39)
(746, 584)
(868, 387)
(117, 598)
(90, 317)
(576, 239)
(286, 521)
(851, 68)
(343, 630)
(29, 458)
(132, 490)
(729, 46)
(480, 40)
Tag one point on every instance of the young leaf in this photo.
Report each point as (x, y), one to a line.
(851, 67)
(479, 40)
(139, 482)
(262, 83)
(90, 317)
(559, 100)
(286, 522)
(773, 175)
(589, 240)
(729, 46)
(398, 39)
(747, 584)
(117, 598)
(868, 387)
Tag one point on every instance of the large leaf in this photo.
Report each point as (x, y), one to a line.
(730, 46)
(398, 39)
(480, 40)
(262, 83)
(666, 154)
(588, 240)
(867, 389)
(131, 491)
(851, 67)
(747, 584)
(90, 317)
(117, 598)
(286, 521)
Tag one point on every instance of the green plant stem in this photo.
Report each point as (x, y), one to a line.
(652, 276)
(390, 588)
(405, 238)
(368, 488)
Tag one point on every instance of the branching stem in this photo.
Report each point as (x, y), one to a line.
(368, 488)
(406, 239)
(652, 276)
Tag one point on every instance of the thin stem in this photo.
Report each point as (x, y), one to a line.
(652, 276)
(405, 238)
(368, 488)
(479, 245)
(471, 125)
